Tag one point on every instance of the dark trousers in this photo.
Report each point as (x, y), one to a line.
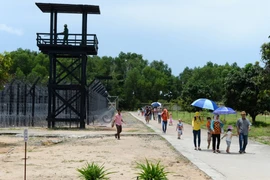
(119, 130)
(164, 126)
(197, 133)
(159, 119)
(65, 40)
(215, 137)
(243, 141)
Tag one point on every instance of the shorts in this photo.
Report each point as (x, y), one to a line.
(180, 132)
(228, 143)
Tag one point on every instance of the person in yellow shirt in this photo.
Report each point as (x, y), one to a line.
(197, 121)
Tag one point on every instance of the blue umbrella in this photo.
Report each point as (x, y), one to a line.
(205, 103)
(156, 104)
(224, 110)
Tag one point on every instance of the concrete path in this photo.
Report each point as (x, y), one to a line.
(254, 165)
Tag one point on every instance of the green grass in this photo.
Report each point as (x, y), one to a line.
(260, 131)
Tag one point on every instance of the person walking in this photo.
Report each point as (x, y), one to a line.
(197, 121)
(179, 128)
(216, 126)
(209, 132)
(228, 136)
(159, 115)
(147, 115)
(118, 123)
(171, 120)
(243, 127)
(165, 117)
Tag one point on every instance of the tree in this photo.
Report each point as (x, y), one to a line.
(265, 50)
(24, 59)
(205, 82)
(243, 88)
(153, 81)
(5, 64)
(133, 91)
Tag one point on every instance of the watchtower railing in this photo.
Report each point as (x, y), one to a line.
(73, 40)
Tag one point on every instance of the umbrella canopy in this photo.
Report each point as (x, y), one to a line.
(156, 104)
(224, 110)
(205, 103)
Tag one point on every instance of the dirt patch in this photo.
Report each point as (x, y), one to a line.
(58, 158)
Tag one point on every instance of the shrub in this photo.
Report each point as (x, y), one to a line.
(150, 171)
(94, 172)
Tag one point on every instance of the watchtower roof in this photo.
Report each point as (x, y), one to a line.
(68, 8)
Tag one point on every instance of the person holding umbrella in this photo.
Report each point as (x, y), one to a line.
(216, 126)
(197, 121)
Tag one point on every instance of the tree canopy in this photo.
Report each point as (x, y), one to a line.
(136, 80)
(5, 64)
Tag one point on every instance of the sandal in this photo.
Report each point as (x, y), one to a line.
(195, 149)
(199, 149)
(218, 151)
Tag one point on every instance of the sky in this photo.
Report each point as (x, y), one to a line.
(180, 33)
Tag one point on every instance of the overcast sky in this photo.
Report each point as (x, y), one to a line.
(181, 33)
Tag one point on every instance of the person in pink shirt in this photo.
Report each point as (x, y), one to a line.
(118, 123)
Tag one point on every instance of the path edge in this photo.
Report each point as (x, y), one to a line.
(211, 172)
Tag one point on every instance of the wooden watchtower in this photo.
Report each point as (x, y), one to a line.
(67, 61)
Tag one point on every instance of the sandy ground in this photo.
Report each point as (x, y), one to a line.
(57, 158)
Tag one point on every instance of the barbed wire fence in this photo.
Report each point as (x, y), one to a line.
(26, 105)
(99, 106)
(23, 104)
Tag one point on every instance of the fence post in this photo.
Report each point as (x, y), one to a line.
(25, 101)
(18, 105)
(11, 98)
(33, 103)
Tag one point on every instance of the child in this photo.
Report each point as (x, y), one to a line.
(179, 128)
(209, 132)
(228, 138)
(139, 112)
(171, 121)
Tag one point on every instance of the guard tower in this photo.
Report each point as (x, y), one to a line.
(67, 78)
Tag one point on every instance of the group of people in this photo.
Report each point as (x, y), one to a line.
(165, 116)
(155, 113)
(215, 129)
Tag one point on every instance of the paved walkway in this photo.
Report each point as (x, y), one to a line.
(253, 165)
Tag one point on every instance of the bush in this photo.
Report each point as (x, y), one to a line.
(150, 171)
(94, 172)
